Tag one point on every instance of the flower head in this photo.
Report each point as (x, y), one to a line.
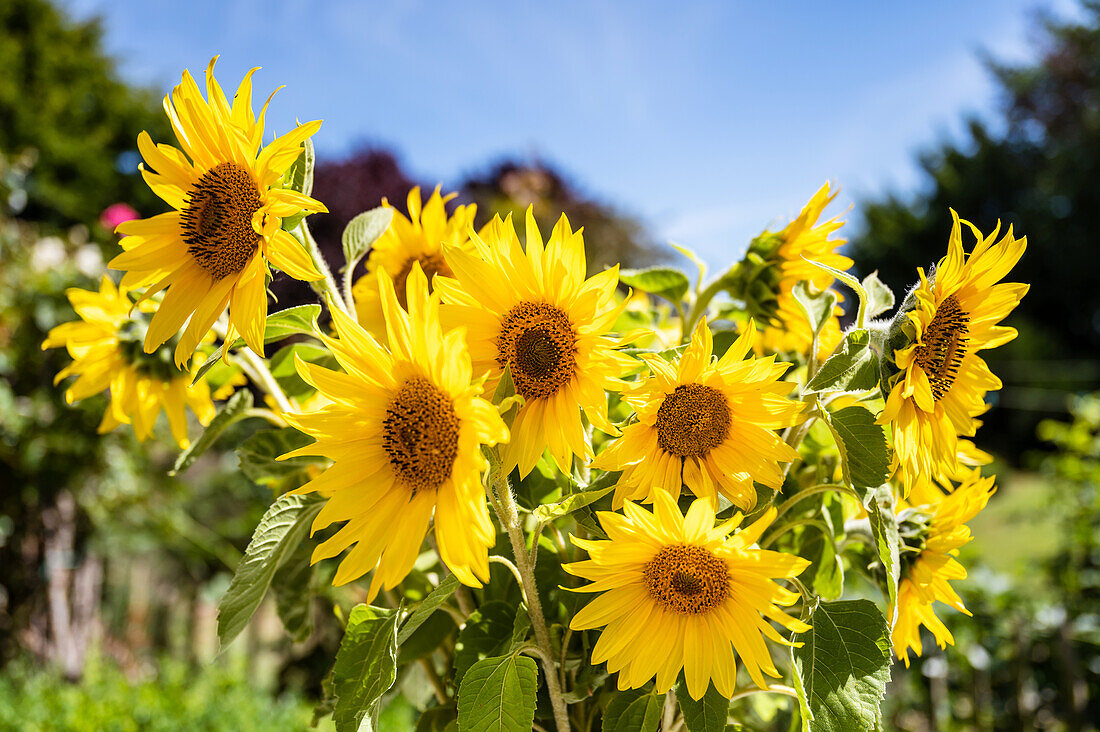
(213, 249)
(534, 313)
(932, 536)
(105, 345)
(678, 592)
(404, 430)
(705, 423)
(416, 239)
(940, 381)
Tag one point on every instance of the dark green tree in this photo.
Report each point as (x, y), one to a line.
(1036, 170)
(61, 96)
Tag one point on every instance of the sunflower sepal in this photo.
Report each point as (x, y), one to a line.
(299, 178)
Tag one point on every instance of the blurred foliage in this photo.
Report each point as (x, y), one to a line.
(610, 236)
(1038, 175)
(176, 697)
(1030, 656)
(61, 97)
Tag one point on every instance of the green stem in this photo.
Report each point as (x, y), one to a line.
(262, 375)
(508, 513)
(327, 285)
(699, 307)
(765, 543)
(811, 491)
(773, 689)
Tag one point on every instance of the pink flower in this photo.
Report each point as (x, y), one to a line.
(116, 214)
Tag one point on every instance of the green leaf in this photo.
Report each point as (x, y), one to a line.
(234, 409)
(852, 367)
(498, 695)
(636, 710)
(826, 572)
(879, 503)
(257, 455)
(818, 306)
(277, 535)
(846, 277)
(428, 636)
(296, 320)
(300, 178)
(437, 719)
(293, 599)
(282, 366)
(520, 626)
(699, 263)
(671, 284)
(842, 668)
(488, 632)
(362, 231)
(427, 606)
(586, 519)
(366, 667)
(865, 456)
(880, 298)
(709, 714)
(569, 504)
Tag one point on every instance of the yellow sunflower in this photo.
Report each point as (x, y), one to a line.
(535, 313)
(105, 345)
(932, 536)
(705, 423)
(404, 431)
(418, 238)
(213, 249)
(941, 381)
(679, 592)
(779, 266)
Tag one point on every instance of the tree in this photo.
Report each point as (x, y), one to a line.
(1039, 175)
(61, 96)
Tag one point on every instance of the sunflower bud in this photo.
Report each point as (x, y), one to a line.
(755, 280)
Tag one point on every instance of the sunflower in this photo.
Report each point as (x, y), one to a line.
(679, 592)
(214, 248)
(418, 238)
(774, 264)
(932, 535)
(105, 345)
(535, 314)
(404, 431)
(705, 423)
(940, 382)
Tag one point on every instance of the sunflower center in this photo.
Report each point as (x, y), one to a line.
(687, 579)
(540, 346)
(693, 420)
(420, 434)
(217, 222)
(944, 346)
(432, 264)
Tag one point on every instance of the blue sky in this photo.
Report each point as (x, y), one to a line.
(707, 120)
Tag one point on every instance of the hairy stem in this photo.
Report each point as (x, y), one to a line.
(326, 286)
(508, 513)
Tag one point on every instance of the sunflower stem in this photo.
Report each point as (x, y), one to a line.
(773, 689)
(811, 491)
(699, 307)
(326, 286)
(508, 513)
(266, 381)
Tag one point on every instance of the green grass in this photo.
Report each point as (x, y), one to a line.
(1018, 530)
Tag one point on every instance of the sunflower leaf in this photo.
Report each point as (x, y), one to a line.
(297, 320)
(300, 178)
(818, 306)
(708, 714)
(488, 632)
(551, 511)
(669, 283)
(258, 456)
(366, 667)
(234, 409)
(637, 710)
(864, 453)
(293, 598)
(842, 667)
(879, 503)
(277, 535)
(427, 606)
(498, 695)
(362, 232)
(880, 298)
(852, 367)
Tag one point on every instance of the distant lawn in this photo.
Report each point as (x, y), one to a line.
(1018, 530)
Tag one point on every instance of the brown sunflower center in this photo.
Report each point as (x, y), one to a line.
(693, 420)
(539, 344)
(217, 222)
(420, 434)
(432, 264)
(687, 579)
(944, 346)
